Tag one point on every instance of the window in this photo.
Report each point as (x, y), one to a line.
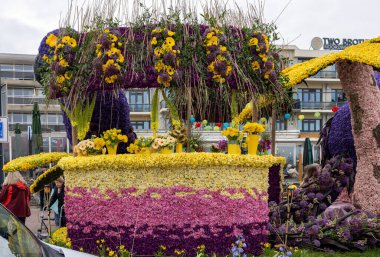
(139, 100)
(23, 92)
(140, 125)
(312, 125)
(281, 125)
(337, 95)
(310, 98)
(22, 118)
(18, 71)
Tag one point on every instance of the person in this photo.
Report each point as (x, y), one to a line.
(59, 195)
(15, 195)
(42, 193)
(310, 172)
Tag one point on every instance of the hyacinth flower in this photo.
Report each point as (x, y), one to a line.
(237, 248)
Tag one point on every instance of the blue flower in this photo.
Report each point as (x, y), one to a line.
(289, 253)
(281, 249)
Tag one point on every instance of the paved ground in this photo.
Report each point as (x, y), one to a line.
(34, 221)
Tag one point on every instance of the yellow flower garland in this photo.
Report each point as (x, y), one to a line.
(33, 161)
(47, 177)
(60, 238)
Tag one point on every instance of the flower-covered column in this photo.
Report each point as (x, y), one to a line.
(364, 97)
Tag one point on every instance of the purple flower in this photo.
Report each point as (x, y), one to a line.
(317, 243)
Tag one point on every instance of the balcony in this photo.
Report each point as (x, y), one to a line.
(29, 100)
(139, 107)
(323, 74)
(299, 105)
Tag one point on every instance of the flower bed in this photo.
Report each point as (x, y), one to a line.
(180, 201)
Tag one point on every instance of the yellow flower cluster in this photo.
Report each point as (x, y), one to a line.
(261, 54)
(113, 136)
(367, 52)
(141, 145)
(111, 54)
(221, 66)
(245, 114)
(231, 133)
(165, 53)
(33, 161)
(60, 238)
(298, 72)
(254, 128)
(51, 40)
(46, 178)
(196, 170)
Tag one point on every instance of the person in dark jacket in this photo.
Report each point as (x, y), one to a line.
(15, 195)
(59, 195)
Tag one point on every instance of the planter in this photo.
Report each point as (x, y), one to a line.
(166, 150)
(178, 148)
(112, 149)
(233, 148)
(253, 143)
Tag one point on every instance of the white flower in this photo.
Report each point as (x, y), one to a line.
(155, 146)
(161, 142)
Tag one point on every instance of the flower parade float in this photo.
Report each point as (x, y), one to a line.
(207, 69)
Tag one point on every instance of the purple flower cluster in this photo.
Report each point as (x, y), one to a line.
(110, 112)
(219, 147)
(317, 193)
(315, 222)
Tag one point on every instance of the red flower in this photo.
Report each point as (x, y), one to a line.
(335, 108)
(198, 125)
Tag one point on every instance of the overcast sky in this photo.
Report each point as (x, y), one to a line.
(23, 23)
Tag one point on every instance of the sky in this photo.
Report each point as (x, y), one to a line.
(23, 23)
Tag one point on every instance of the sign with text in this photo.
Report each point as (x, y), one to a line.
(339, 44)
(3, 130)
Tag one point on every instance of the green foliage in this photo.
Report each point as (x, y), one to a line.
(80, 116)
(174, 117)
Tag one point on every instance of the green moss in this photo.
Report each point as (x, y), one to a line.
(357, 112)
(376, 134)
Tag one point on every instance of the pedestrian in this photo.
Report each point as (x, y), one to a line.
(15, 195)
(42, 193)
(59, 195)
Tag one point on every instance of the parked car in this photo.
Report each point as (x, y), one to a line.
(16, 240)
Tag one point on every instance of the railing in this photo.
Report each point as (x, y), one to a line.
(29, 100)
(139, 107)
(298, 105)
(44, 127)
(326, 75)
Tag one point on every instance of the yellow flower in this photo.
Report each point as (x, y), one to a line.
(66, 39)
(263, 57)
(223, 48)
(253, 42)
(154, 41)
(171, 33)
(163, 248)
(255, 65)
(81, 249)
(113, 51)
(159, 66)
(267, 245)
(72, 42)
(51, 40)
(60, 79)
(68, 76)
(209, 35)
(46, 59)
(170, 70)
(111, 253)
(170, 41)
(112, 37)
(63, 63)
(292, 187)
(111, 79)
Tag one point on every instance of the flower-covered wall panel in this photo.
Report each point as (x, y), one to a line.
(178, 200)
